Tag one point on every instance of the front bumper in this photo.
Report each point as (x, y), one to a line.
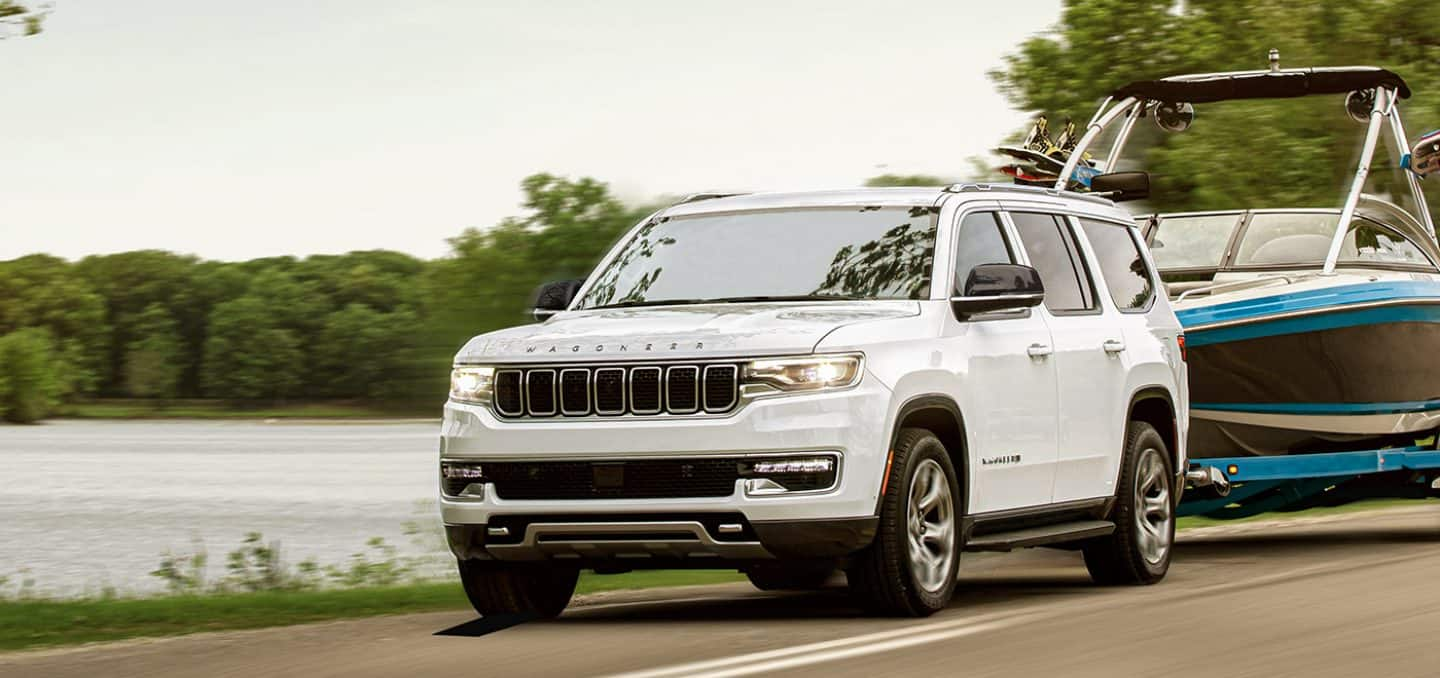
(673, 530)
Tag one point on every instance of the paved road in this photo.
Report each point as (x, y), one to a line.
(1341, 596)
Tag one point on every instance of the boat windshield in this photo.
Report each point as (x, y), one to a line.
(1276, 239)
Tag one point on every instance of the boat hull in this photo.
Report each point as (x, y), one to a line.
(1296, 376)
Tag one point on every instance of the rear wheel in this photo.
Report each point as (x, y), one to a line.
(910, 568)
(533, 589)
(1139, 550)
(799, 576)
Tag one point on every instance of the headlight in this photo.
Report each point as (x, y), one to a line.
(472, 384)
(810, 373)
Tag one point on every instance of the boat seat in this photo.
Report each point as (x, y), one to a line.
(1292, 249)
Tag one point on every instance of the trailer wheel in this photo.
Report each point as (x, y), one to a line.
(1139, 550)
(911, 567)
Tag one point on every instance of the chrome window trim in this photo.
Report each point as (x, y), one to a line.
(560, 390)
(665, 389)
(554, 397)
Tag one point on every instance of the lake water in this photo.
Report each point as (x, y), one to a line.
(87, 505)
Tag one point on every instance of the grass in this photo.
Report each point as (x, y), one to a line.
(1356, 507)
(40, 623)
(119, 408)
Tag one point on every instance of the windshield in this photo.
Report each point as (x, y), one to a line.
(795, 254)
(1276, 239)
(1192, 241)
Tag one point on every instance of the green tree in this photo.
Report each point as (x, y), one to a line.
(487, 281)
(47, 292)
(366, 353)
(32, 375)
(248, 355)
(154, 361)
(130, 282)
(1295, 153)
(20, 19)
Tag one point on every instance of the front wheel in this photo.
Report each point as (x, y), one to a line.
(911, 567)
(532, 589)
(1139, 550)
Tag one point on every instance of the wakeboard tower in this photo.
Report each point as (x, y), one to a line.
(1311, 331)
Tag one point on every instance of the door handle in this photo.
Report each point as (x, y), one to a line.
(1038, 350)
(1113, 346)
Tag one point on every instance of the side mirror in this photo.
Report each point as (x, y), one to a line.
(998, 287)
(1121, 186)
(554, 297)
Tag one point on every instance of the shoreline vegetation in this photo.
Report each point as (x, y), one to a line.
(207, 409)
(260, 592)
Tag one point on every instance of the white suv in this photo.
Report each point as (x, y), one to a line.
(790, 384)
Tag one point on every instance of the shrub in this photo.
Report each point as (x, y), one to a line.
(30, 376)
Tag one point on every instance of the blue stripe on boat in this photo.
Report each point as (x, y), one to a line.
(1329, 305)
(1342, 295)
(1322, 408)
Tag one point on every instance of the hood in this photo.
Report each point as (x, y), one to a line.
(688, 332)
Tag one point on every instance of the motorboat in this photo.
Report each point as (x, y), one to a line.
(1308, 329)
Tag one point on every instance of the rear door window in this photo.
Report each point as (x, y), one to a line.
(1121, 264)
(1051, 247)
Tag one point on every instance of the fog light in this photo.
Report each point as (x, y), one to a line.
(781, 475)
(815, 465)
(460, 479)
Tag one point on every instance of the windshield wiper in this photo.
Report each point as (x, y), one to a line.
(784, 297)
(730, 300)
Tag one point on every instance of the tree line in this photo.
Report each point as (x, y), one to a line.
(372, 325)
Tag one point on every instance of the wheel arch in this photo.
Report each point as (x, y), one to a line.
(940, 415)
(1155, 405)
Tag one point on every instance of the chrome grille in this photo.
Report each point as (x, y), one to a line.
(616, 390)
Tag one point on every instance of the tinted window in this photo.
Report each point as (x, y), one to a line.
(867, 252)
(1121, 264)
(980, 241)
(1052, 253)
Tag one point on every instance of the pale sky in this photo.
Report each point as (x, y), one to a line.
(235, 130)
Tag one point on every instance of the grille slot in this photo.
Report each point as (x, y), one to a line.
(682, 389)
(645, 390)
(721, 387)
(575, 393)
(509, 399)
(540, 392)
(610, 391)
(616, 390)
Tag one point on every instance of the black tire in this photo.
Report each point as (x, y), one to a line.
(791, 576)
(1134, 554)
(883, 576)
(537, 590)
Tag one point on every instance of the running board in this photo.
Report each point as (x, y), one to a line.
(1039, 536)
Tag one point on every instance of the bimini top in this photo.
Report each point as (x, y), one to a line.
(1273, 84)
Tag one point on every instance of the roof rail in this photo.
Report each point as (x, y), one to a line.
(711, 195)
(1016, 188)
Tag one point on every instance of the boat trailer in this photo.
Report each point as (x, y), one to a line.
(1239, 487)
